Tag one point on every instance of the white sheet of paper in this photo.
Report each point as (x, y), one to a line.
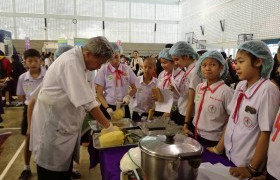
(166, 105)
(208, 171)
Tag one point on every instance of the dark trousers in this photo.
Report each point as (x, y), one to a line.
(1, 103)
(24, 123)
(269, 177)
(178, 118)
(206, 142)
(45, 174)
(126, 108)
(136, 117)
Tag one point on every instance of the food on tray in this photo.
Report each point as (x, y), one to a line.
(151, 114)
(117, 115)
(131, 138)
(103, 131)
(111, 139)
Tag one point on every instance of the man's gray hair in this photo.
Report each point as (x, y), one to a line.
(99, 47)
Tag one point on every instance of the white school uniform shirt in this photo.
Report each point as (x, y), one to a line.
(189, 80)
(256, 113)
(273, 161)
(143, 97)
(27, 84)
(115, 89)
(164, 81)
(59, 112)
(214, 114)
(48, 62)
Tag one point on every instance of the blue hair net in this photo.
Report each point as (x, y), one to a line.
(181, 48)
(61, 50)
(116, 48)
(165, 54)
(214, 55)
(260, 50)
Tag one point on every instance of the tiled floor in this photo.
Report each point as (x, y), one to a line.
(11, 151)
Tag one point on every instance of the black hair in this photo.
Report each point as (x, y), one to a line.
(224, 55)
(31, 53)
(2, 53)
(168, 45)
(201, 52)
(15, 57)
(274, 73)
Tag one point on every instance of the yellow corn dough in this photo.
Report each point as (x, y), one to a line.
(111, 139)
(117, 115)
(103, 131)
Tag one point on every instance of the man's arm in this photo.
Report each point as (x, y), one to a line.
(99, 116)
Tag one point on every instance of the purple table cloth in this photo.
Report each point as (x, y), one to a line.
(110, 161)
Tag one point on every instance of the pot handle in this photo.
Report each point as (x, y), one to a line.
(169, 138)
(187, 156)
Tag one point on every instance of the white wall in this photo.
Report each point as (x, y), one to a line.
(258, 17)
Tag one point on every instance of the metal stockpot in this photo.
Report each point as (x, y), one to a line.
(169, 157)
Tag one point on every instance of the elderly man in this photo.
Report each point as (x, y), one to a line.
(61, 104)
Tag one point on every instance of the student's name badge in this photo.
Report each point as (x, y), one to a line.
(197, 97)
(110, 78)
(27, 87)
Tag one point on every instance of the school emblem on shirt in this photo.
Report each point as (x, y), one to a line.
(110, 77)
(139, 90)
(212, 108)
(247, 122)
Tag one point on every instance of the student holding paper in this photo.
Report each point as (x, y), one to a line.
(167, 79)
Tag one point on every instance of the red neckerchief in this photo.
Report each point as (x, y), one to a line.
(167, 78)
(239, 101)
(186, 75)
(201, 103)
(119, 73)
(277, 126)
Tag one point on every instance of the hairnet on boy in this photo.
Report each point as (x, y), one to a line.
(181, 48)
(260, 50)
(214, 55)
(116, 48)
(165, 54)
(61, 50)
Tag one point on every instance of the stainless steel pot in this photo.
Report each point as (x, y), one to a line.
(169, 157)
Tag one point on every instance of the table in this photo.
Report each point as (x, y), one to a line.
(109, 160)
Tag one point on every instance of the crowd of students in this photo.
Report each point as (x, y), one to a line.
(239, 123)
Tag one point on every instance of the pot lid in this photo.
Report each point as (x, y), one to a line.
(170, 146)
